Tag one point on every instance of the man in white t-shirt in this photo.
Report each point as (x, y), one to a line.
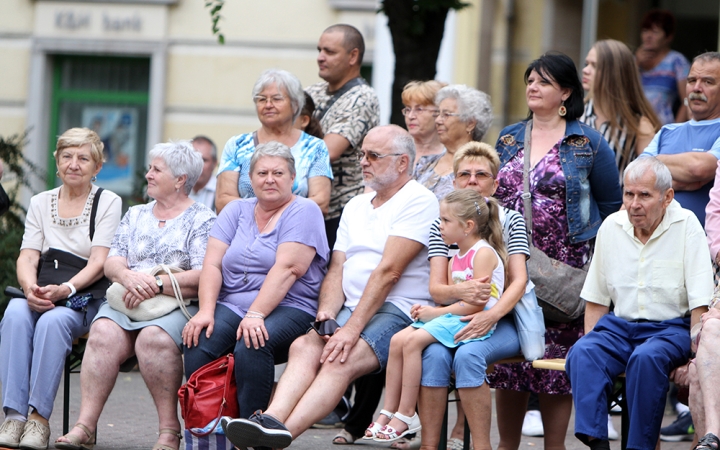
(204, 189)
(378, 270)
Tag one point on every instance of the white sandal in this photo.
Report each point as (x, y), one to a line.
(375, 427)
(413, 424)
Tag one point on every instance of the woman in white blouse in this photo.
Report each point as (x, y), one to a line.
(37, 332)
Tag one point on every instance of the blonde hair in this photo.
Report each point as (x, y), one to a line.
(422, 92)
(618, 93)
(467, 204)
(77, 137)
(474, 151)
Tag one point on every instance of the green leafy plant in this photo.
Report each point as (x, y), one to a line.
(18, 173)
(215, 8)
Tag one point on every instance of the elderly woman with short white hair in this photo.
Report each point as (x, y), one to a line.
(261, 279)
(279, 100)
(172, 230)
(463, 115)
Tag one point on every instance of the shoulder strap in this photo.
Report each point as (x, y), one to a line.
(255, 139)
(320, 112)
(527, 200)
(93, 212)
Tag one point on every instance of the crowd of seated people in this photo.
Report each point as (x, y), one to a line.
(421, 274)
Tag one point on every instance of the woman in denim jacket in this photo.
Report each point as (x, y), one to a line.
(574, 186)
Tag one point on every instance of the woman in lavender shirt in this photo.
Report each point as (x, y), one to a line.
(261, 277)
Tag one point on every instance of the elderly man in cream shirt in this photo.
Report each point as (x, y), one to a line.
(653, 264)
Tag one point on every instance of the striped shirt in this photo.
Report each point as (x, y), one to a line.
(514, 233)
(617, 138)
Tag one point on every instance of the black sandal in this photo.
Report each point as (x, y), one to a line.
(708, 442)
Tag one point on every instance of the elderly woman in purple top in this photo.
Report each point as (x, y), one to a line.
(261, 276)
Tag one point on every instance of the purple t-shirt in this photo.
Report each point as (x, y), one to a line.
(253, 252)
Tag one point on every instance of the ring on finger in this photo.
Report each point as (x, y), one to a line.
(258, 329)
(139, 288)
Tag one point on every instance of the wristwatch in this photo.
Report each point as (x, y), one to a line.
(159, 283)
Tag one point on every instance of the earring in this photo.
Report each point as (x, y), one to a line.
(93, 179)
(562, 110)
(57, 172)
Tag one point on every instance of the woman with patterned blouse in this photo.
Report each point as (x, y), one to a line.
(173, 229)
(279, 100)
(574, 185)
(463, 114)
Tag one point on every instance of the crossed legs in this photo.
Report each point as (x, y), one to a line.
(704, 389)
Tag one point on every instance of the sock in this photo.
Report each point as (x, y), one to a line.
(11, 414)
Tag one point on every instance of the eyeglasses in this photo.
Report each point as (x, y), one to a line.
(444, 114)
(479, 175)
(373, 156)
(262, 100)
(418, 110)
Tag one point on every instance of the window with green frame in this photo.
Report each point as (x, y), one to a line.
(110, 96)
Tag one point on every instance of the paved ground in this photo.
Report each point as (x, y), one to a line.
(129, 422)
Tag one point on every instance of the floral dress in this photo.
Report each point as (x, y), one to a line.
(550, 231)
(425, 175)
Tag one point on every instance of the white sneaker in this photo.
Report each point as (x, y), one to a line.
(10, 432)
(612, 432)
(532, 424)
(36, 436)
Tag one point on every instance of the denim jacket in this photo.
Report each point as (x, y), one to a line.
(591, 175)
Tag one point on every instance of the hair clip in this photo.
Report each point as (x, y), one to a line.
(487, 200)
(477, 208)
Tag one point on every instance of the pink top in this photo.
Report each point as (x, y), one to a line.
(462, 270)
(712, 217)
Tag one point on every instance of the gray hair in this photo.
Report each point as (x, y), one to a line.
(181, 158)
(636, 169)
(707, 57)
(404, 143)
(207, 140)
(276, 149)
(472, 105)
(286, 81)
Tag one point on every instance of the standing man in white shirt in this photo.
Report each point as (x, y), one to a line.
(204, 190)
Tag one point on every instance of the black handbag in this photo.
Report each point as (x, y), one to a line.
(58, 266)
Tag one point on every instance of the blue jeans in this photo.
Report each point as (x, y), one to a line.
(254, 369)
(469, 361)
(646, 352)
(387, 321)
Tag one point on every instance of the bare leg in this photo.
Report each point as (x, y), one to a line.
(161, 366)
(555, 410)
(325, 392)
(458, 430)
(478, 410)
(511, 407)
(302, 368)
(696, 401)
(431, 404)
(393, 375)
(108, 346)
(707, 365)
(412, 349)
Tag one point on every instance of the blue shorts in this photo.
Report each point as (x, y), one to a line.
(387, 321)
(469, 361)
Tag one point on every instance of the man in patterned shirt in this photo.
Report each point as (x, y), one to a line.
(347, 109)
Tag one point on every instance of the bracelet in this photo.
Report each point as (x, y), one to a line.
(73, 291)
(249, 316)
(262, 316)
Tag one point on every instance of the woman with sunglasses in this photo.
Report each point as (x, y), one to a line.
(419, 100)
(279, 100)
(464, 114)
